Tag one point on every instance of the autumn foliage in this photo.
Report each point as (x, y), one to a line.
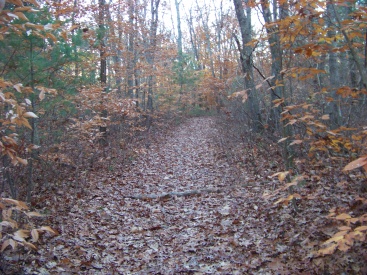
(88, 90)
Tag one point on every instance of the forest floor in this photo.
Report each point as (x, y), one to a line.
(185, 205)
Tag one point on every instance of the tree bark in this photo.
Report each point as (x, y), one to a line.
(179, 48)
(276, 61)
(103, 66)
(333, 108)
(193, 39)
(277, 82)
(131, 50)
(102, 46)
(150, 55)
(252, 103)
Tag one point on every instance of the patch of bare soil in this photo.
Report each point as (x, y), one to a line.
(183, 206)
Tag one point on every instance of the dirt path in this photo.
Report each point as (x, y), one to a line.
(112, 231)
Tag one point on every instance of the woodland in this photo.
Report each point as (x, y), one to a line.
(183, 137)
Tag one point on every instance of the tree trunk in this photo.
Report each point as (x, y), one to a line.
(102, 46)
(209, 51)
(277, 82)
(33, 123)
(333, 108)
(76, 69)
(276, 62)
(252, 103)
(103, 66)
(193, 39)
(131, 50)
(179, 48)
(150, 56)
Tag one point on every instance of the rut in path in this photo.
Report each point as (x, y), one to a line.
(209, 233)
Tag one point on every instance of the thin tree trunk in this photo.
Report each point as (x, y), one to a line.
(76, 69)
(277, 82)
(179, 48)
(103, 66)
(102, 46)
(333, 108)
(34, 134)
(150, 55)
(245, 51)
(131, 50)
(193, 40)
(276, 62)
(209, 51)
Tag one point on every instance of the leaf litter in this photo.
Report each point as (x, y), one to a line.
(185, 205)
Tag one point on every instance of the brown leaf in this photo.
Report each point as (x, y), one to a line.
(42, 95)
(5, 245)
(35, 235)
(356, 164)
(298, 141)
(21, 16)
(30, 245)
(30, 114)
(19, 204)
(18, 87)
(343, 217)
(282, 139)
(49, 229)
(22, 161)
(361, 228)
(33, 214)
(21, 235)
(328, 250)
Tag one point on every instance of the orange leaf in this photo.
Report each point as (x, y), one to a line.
(73, 27)
(21, 16)
(22, 161)
(308, 52)
(20, 204)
